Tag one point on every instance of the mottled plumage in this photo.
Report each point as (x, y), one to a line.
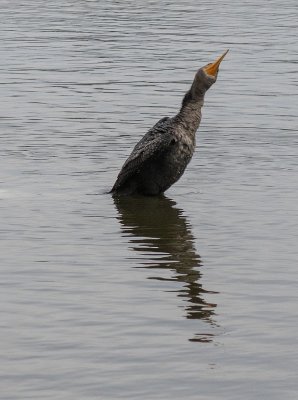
(161, 156)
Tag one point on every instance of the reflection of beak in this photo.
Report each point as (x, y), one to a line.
(212, 69)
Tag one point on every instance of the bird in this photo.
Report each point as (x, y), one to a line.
(159, 159)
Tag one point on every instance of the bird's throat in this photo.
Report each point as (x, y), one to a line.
(190, 114)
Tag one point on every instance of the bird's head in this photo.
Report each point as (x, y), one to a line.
(211, 69)
(206, 77)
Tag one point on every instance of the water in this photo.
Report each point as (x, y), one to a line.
(192, 296)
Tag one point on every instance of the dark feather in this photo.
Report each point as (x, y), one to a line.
(156, 140)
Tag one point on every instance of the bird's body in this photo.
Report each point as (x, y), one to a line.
(161, 156)
(157, 161)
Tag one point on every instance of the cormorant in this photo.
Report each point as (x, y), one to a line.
(161, 156)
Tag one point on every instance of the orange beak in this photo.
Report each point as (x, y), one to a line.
(212, 69)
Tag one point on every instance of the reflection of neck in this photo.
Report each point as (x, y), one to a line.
(190, 114)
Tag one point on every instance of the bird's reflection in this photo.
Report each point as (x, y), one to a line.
(159, 231)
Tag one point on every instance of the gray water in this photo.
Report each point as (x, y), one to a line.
(192, 296)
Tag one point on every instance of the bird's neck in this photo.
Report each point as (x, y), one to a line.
(190, 114)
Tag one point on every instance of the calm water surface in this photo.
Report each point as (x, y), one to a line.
(192, 296)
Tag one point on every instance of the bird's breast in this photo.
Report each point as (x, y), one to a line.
(184, 145)
(178, 156)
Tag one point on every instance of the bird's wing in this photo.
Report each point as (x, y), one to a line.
(153, 143)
